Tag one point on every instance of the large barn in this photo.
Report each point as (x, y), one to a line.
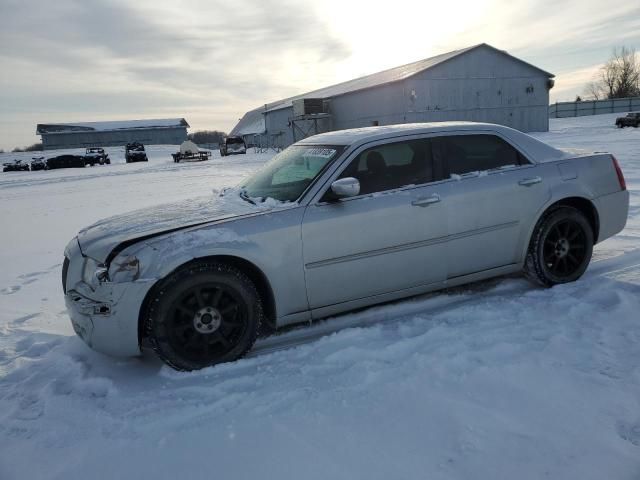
(479, 83)
(171, 131)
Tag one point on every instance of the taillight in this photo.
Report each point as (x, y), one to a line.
(616, 165)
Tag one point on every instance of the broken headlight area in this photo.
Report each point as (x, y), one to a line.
(94, 273)
(125, 269)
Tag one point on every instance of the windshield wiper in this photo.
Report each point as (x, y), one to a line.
(243, 195)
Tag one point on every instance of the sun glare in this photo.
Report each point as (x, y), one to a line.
(382, 36)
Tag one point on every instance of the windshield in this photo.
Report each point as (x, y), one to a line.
(231, 140)
(287, 175)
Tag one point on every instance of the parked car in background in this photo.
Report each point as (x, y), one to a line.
(232, 146)
(339, 221)
(630, 120)
(97, 155)
(15, 166)
(134, 152)
(38, 163)
(66, 161)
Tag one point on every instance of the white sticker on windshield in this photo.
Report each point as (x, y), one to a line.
(319, 152)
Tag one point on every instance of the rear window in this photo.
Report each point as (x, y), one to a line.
(473, 153)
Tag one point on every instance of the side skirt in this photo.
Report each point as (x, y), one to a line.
(331, 310)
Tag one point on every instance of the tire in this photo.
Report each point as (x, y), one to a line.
(560, 248)
(203, 314)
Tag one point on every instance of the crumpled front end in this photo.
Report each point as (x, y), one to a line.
(103, 313)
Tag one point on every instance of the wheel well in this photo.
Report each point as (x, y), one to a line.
(586, 207)
(256, 275)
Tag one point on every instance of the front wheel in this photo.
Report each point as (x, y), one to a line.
(203, 314)
(561, 247)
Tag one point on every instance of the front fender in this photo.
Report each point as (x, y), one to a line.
(271, 242)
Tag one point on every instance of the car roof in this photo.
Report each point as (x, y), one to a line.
(358, 136)
(368, 134)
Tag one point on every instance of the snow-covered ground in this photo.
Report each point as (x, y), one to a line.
(496, 380)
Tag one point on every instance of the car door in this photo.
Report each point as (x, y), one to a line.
(493, 196)
(386, 239)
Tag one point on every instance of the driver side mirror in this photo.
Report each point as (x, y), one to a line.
(345, 187)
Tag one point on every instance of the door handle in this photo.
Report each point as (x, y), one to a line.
(423, 202)
(527, 182)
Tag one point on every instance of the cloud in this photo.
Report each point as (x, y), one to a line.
(94, 57)
(212, 60)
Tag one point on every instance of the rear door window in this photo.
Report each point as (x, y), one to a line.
(462, 154)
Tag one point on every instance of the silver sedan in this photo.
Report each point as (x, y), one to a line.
(339, 221)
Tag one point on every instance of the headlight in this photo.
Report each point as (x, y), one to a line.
(125, 269)
(94, 273)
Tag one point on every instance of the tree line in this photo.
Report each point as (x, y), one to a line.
(206, 137)
(36, 147)
(201, 137)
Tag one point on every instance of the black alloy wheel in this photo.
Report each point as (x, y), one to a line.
(202, 315)
(565, 248)
(561, 247)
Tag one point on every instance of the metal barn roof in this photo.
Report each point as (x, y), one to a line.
(253, 121)
(47, 128)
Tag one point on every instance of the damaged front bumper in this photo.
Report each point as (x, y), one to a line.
(106, 315)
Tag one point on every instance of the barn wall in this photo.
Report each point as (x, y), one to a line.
(482, 85)
(384, 104)
(277, 127)
(158, 136)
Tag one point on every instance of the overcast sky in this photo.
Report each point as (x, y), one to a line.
(211, 60)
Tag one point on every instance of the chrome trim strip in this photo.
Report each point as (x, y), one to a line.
(409, 246)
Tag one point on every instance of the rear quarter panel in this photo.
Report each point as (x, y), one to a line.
(593, 178)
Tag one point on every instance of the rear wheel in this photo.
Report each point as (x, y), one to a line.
(202, 315)
(561, 247)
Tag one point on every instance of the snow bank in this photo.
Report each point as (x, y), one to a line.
(495, 380)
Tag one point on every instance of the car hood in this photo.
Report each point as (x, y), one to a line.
(100, 239)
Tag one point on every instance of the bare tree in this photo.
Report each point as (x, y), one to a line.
(628, 70)
(593, 90)
(618, 78)
(608, 76)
